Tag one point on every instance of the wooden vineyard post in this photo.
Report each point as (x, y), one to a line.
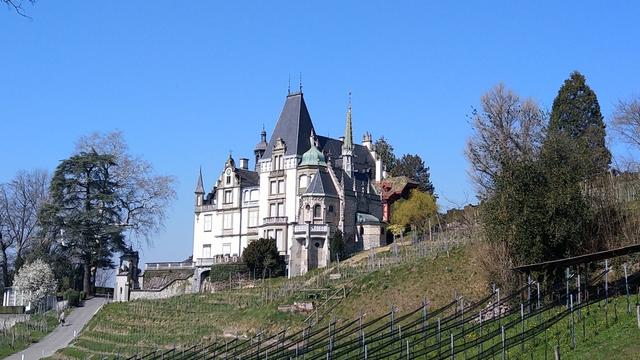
(504, 355)
(522, 328)
(626, 286)
(438, 337)
(567, 282)
(573, 329)
(480, 330)
(606, 292)
(453, 354)
(528, 293)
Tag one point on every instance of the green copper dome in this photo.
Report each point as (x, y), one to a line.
(313, 156)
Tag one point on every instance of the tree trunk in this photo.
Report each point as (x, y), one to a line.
(5, 268)
(86, 280)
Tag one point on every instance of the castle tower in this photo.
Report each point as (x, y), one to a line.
(347, 144)
(261, 147)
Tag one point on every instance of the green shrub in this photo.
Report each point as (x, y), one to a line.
(72, 297)
(83, 295)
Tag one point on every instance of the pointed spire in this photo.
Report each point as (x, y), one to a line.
(263, 135)
(200, 185)
(348, 131)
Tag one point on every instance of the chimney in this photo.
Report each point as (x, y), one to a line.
(244, 163)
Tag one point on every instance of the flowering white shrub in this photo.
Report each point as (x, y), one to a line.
(36, 280)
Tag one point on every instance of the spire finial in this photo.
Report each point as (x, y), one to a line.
(300, 83)
(288, 86)
(348, 131)
(200, 184)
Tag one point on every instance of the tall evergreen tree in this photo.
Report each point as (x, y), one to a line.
(385, 151)
(412, 166)
(576, 115)
(84, 210)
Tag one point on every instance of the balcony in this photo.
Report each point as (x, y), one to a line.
(168, 265)
(220, 259)
(275, 173)
(316, 229)
(204, 208)
(275, 220)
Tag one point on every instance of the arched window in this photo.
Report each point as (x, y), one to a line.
(254, 195)
(303, 181)
(317, 212)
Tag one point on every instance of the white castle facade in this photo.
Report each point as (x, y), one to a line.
(302, 188)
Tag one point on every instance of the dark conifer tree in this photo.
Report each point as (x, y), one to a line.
(576, 115)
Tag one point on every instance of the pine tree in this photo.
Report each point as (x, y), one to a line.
(84, 208)
(412, 166)
(576, 115)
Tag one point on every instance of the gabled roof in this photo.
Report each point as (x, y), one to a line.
(321, 184)
(294, 127)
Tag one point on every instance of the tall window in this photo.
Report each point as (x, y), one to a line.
(253, 218)
(208, 219)
(276, 209)
(226, 249)
(317, 212)
(254, 195)
(280, 209)
(273, 210)
(227, 221)
(228, 180)
(303, 181)
(206, 251)
(228, 196)
(273, 187)
(280, 186)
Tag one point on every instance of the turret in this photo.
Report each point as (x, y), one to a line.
(199, 190)
(261, 147)
(347, 144)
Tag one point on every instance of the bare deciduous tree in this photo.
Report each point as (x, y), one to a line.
(507, 128)
(17, 5)
(20, 201)
(626, 121)
(143, 196)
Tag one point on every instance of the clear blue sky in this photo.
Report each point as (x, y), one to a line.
(189, 81)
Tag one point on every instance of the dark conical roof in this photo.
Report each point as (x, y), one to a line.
(294, 127)
(321, 184)
(200, 185)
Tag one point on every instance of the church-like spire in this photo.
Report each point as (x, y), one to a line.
(200, 185)
(348, 131)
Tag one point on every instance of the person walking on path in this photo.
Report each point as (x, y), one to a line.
(61, 318)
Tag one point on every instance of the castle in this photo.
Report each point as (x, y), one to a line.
(302, 189)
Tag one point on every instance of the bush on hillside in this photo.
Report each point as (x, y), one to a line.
(261, 257)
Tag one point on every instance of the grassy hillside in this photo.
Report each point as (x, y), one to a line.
(406, 285)
(142, 326)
